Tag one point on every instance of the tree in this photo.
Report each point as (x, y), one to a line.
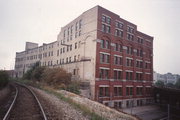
(178, 84)
(28, 75)
(159, 83)
(171, 85)
(37, 73)
(4, 78)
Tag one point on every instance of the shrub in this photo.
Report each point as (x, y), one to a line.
(29, 74)
(56, 76)
(37, 73)
(4, 78)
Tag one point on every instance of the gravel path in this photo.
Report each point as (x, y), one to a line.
(26, 106)
(57, 109)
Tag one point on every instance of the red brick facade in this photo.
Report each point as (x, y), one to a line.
(124, 59)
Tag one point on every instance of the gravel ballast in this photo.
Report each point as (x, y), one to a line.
(57, 109)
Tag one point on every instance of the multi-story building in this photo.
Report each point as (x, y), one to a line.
(166, 78)
(101, 48)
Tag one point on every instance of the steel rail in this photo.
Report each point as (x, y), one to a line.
(42, 110)
(11, 106)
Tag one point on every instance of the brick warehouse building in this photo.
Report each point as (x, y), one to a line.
(104, 50)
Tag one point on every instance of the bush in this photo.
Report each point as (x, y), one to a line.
(37, 73)
(29, 74)
(4, 78)
(56, 76)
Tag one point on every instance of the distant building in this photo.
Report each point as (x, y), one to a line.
(103, 49)
(166, 78)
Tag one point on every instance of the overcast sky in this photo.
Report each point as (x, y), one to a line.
(41, 20)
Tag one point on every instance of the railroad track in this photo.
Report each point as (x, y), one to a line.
(25, 105)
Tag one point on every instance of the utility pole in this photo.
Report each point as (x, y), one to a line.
(168, 112)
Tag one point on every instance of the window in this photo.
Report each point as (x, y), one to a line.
(140, 40)
(118, 33)
(76, 35)
(62, 61)
(107, 44)
(102, 43)
(128, 75)
(129, 62)
(120, 48)
(78, 57)
(70, 47)
(117, 91)
(67, 48)
(72, 29)
(106, 19)
(106, 28)
(70, 37)
(68, 30)
(100, 91)
(67, 60)
(130, 37)
(139, 76)
(57, 52)
(139, 64)
(104, 58)
(75, 46)
(118, 60)
(148, 90)
(74, 71)
(116, 48)
(117, 75)
(118, 104)
(103, 27)
(129, 91)
(139, 90)
(130, 29)
(80, 24)
(119, 25)
(147, 65)
(75, 58)
(103, 18)
(76, 27)
(103, 91)
(106, 91)
(104, 73)
(141, 53)
(79, 44)
(80, 33)
(64, 33)
(63, 49)
(129, 50)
